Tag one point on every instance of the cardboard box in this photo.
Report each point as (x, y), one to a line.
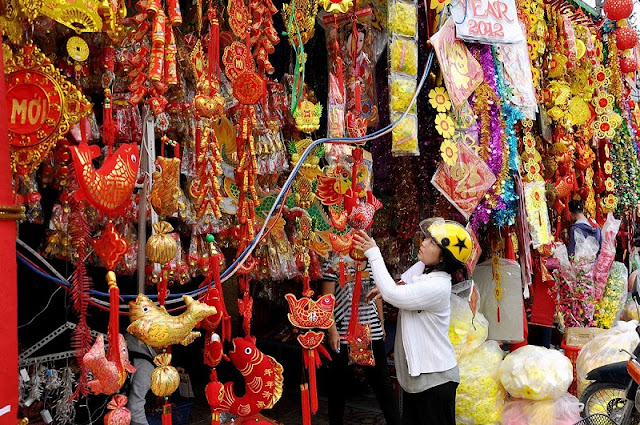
(578, 337)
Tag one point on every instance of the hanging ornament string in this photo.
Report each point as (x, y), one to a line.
(299, 68)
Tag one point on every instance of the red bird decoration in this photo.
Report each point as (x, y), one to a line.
(109, 188)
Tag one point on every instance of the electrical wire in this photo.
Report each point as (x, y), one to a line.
(42, 311)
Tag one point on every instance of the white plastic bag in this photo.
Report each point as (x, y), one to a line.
(563, 411)
(480, 395)
(536, 373)
(605, 349)
(466, 333)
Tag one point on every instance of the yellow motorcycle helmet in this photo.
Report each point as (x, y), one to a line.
(450, 236)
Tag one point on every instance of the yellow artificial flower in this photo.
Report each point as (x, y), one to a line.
(603, 103)
(609, 185)
(608, 167)
(609, 203)
(449, 152)
(604, 128)
(439, 99)
(444, 126)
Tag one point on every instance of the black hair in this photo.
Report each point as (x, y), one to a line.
(449, 265)
(575, 206)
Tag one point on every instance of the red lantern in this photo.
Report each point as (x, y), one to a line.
(626, 38)
(628, 65)
(618, 9)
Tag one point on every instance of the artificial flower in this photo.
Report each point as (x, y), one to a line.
(602, 77)
(449, 152)
(608, 167)
(603, 103)
(444, 125)
(609, 185)
(439, 99)
(532, 168)
(603, 127)
(609, 203)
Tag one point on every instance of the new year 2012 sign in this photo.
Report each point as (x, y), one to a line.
(487, 21)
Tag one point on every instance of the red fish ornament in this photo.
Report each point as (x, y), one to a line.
(108, 375)
(305, 313)
(262, 377)
(109, 188)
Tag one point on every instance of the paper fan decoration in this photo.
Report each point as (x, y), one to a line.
(81, 16)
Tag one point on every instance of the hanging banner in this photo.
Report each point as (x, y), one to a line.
(487, 21)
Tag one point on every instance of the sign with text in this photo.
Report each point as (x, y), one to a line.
(487, 21)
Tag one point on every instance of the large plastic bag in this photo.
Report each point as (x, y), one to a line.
(480, 395)
(630, 309)
(563, 411)
(466, 332)
(605, 349)
(614, 297)
(536, 373)
(607, 254)
(508, 325)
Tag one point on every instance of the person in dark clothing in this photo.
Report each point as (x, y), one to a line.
(582, 224)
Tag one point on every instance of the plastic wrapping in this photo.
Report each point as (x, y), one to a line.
(614, 298)
(404, 137)
(463, 177)
(466, 333)
(605, 349)
(607, 254)
(480, 395)
(536, 373)
(563, 411)
(509, 324)
(630, 311)
(403, 78)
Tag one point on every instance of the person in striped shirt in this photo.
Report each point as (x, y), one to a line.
(369, 313)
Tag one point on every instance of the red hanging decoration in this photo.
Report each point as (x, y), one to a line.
(618, 9)
(626, 38)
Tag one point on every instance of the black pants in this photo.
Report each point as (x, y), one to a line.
(435, 406)
(377, 377)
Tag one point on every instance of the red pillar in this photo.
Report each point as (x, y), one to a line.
(8, 280)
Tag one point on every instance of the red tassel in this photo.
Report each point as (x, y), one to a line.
(509, 252)
(313, 390)
(214, 47)
(306, 413)
(358, 98)
(176, 150)
(343, 274)
(114, 319)
(355, 305)
(498, 313)
(166, 414)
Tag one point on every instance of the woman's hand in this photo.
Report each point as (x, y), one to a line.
(334, 339)
(362, 241)
(373, 294)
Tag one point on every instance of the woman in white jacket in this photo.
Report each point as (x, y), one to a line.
(425, 363)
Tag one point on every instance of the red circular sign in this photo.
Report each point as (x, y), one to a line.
(34, 105)
(249, 88)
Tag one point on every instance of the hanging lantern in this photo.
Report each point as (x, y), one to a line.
(628, 65)
(161, 247)
(165, 379)
(618, 9)
(626, 38)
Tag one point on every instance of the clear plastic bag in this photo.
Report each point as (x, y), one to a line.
(614, 298)
(607, 254)
(404, 137)
(466, 333)
(480, 395)
(605, 349)
(536, 373)
(563, 411)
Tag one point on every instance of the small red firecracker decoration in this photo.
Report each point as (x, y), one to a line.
(626, 38)
(618, 9)
(628, 65)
